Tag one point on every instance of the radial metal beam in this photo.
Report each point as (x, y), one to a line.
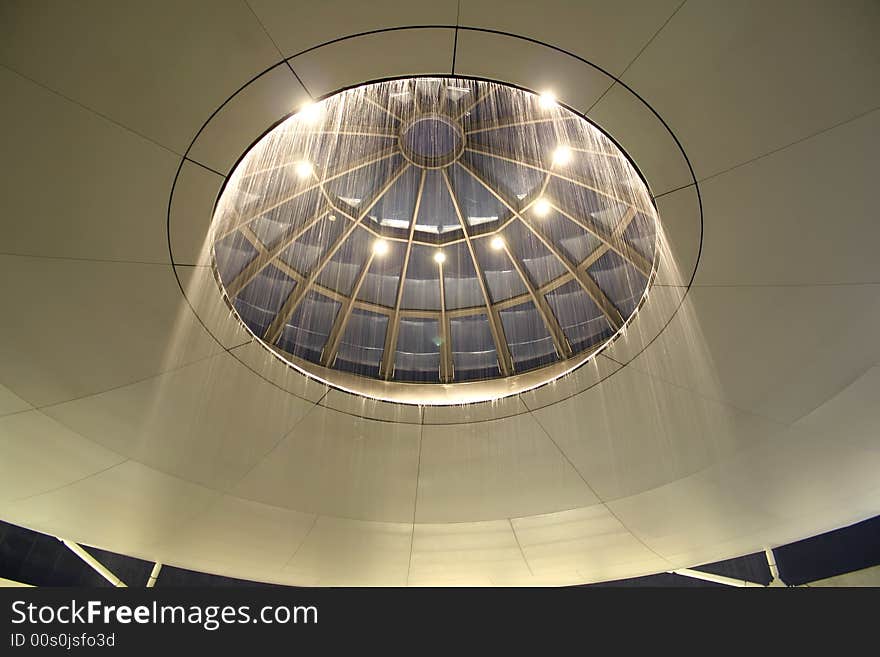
(505, 361)
(330, 292)
(583, 278)
(537, 166)
(414, 90)
(546, 288)
(382, 107)
(356, 132)
(328, 355)
(479, 99)
(603, 248)
(593, 151)
(373, 159)
(253, 238)
(386, 368)
(624, 223)
(388, 311)
(443, 96)
(255, 266)
(613, 242)
(349, 168)
(446, 367)
(512, 124)
(560, 342)
(273, 332)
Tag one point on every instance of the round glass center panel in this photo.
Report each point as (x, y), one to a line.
(432, 141)
(435, 240)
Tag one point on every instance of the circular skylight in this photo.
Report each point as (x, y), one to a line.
(435, 240)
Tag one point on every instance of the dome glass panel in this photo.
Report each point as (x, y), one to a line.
(435, 240)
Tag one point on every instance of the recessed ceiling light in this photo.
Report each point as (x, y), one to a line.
(304, 169)
(547, 99)
(562, 156)
(541, 207)
(497, 243)
(439, 257)
(380, 247)
(309, 112)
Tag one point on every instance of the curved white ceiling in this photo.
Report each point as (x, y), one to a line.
(132, 421)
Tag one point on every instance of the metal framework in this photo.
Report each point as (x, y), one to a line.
(517, 211)
(775, 580)
(96, 565)
(505, 362)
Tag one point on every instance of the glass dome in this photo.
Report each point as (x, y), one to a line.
(435, 240)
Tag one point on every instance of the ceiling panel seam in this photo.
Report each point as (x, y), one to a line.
(412, 535)
(82, 259)
(204, 166)
(284, 436)
(305, 537)
(125, 385)
(275, 45)
(93, 111)
(123, 460)
(455, 39)
(519, 545)
(779, 149)
(704, 397)
(633, 60)
(590, 488)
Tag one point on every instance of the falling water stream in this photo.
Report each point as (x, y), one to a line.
(444, 232)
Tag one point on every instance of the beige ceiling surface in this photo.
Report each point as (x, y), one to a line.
(130, 422)
(740, 79)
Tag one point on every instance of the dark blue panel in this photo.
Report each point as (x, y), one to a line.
(473, 349)
(360, 349)
(418, 350)
(380, 284)
(841, 551)
(306, 333)
(460, 278)
(260, 300)
(530, 343)
(583, 323)
(436, 210)
(620, 281)
(232, 254)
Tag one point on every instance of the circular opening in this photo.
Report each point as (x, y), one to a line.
(432, 141)
(435, 240)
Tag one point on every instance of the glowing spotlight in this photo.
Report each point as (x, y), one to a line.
(497, 243)
(309, 112)
(439, 257)
(562, 156)
(304, 169)
(547, 100)
(380, 247)
(541, 207)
